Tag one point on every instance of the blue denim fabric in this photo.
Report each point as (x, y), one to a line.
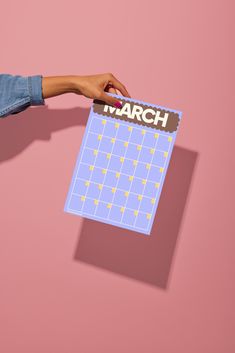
(19, 92)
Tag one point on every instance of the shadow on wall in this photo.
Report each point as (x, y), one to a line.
(18, 131)
(143, 258)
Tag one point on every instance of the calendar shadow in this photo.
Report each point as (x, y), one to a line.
(143, 258)
(18, 131)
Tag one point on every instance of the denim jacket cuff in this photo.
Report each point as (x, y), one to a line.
(35, 90)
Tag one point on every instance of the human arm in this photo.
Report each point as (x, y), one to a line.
(92, 86)
(19, 92)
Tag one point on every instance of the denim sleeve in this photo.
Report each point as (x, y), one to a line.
(19, 92)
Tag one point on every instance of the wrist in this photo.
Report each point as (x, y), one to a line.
(56, 85)
(74, 83)
(69, 83)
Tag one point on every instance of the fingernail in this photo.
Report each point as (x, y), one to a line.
(118, 104)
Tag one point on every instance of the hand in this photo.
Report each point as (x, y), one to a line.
(96, 86)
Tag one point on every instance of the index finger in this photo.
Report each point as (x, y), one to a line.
(117, 84)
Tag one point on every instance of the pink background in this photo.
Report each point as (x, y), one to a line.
(65, 288)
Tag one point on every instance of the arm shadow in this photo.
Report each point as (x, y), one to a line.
(143, 258)
(18, 131)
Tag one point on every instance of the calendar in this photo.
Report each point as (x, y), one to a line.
(122, 163)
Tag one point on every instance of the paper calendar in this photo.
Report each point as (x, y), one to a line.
(122, 163)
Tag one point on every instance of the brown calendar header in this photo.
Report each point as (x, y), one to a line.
(139, 113)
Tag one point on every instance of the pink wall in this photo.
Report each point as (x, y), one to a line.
(63, 287)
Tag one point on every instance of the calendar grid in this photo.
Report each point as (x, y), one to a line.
(107, 168)
(110, 187)
(122, 172)
(132, 209)
(76, 174)
(116, 155)
(123, 140)
(132, 179)
(92, 170)
(119, 173)
(146, 178)
(99, 217)
(94, 133)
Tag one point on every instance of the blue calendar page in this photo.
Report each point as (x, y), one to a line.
(122, 163)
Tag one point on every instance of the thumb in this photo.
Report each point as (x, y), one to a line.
(110, 100)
